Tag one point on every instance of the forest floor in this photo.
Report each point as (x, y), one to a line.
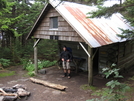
(74, 92)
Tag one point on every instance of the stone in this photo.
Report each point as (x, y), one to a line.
(23, 80)
(1, 84)
(1, 98)
(56, 92)
(42, 71)
(58, 79)
(11, 82)
(46, 91)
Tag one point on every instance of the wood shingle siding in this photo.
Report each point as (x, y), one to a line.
(64, 30)
(126, 55)
(119, 53)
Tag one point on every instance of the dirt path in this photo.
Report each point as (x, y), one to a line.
(53, 75)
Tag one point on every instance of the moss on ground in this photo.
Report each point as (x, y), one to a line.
(7, 73)
(87, 87)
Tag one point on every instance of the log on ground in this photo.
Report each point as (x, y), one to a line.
(51, 85)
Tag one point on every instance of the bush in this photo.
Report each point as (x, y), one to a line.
(115, 90)
(5, 53)
(5, 62)
(29, 66)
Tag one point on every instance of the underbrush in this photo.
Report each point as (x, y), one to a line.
(4, 62)
(29, 65)
(114, 90)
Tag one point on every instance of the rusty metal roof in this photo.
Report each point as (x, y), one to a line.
(95, 32)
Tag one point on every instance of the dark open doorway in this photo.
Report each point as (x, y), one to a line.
(95, 61)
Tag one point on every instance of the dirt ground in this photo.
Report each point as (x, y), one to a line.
(53, 75)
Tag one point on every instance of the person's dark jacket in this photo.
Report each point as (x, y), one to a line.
(66, 55)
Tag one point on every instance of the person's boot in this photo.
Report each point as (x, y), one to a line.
(69, 76)
(65, 74)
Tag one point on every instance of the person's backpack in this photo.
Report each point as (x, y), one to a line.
(70, 51)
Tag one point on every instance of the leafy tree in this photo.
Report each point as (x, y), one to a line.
(16, 21)
(126, 8)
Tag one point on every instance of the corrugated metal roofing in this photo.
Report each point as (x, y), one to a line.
(95, 32)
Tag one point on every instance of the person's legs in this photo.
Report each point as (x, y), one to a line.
(69, 73)
(68, 69)
(64, 68)
(65, 72)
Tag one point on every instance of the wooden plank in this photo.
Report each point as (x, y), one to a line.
(63, 24)
(44, 24)
(61, 19)
(65, 28)
(70, 38)
(64, 34)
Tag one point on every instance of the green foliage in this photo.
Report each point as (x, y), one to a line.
(87, 87)
(48, 49)
(5, 74)
(5, 62)
(16, 20)
(2, 4)
(31, 73)
(115, 90)
(132, 78)
(112, 71)
(5, 52)
(126, 8)
(29, 66)
(45, 64)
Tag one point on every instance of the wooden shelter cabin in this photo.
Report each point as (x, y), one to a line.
(93, 41)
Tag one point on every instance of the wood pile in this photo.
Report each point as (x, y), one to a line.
(13, 93)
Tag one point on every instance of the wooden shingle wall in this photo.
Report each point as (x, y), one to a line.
(126, 55)
(107, 56)
(64, 32)
(122, 54)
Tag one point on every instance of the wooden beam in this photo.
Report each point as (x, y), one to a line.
(36, 43)
(90, 63)
(90, 66)
(35, 59)
(84, 49)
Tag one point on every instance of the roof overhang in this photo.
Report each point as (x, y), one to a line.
(95, 32)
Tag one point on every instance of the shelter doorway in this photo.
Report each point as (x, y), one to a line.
(95, 61)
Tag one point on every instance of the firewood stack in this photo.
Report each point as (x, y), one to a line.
(13, 93)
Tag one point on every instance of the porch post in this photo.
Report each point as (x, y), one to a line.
(35, 59)
(90, 63)
(90, 66)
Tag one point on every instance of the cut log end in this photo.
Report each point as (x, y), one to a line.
(47, 84)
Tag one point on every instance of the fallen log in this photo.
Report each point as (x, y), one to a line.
(51, 85)
(7, 94)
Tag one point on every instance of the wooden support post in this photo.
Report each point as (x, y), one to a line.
(90, 66)
(35, 59)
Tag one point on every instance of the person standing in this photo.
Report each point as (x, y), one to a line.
(66, 57)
